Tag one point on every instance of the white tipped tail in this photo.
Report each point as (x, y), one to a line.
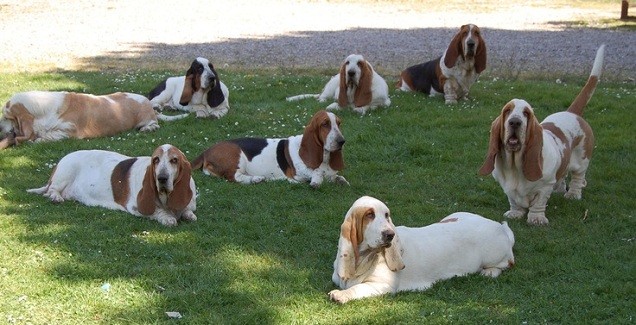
(586, 93)
(509, 232)
(303, 96)
(169, 118)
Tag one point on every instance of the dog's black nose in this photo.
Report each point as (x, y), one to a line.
(387, 235)
(351, 73)
(470, 43)
(514, 122)
(162, 178)
(341, 142)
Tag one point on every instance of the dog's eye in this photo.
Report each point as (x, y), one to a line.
(174, 160)
(386, 215)
(155, 160)
(325, 124)
(370, 216)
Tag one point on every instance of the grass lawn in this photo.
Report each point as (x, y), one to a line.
(263, 253)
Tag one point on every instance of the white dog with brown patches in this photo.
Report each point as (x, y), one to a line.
(531, 160)
(312, 156)
(158, 187)
(375, 257)
(357, 85)
(51, 116)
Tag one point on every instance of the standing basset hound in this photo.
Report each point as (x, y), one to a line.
(50, 116)
(454, 72)
(375, 257)
(200, 91)
(530, 160)
(357, 85)
(313, 156)
(158, 187)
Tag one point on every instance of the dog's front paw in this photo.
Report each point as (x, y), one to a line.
(189, 215)
(492, 272)
(339, 296)
(573, 194)
(167, 221)
(333, 106)
(537, 219)
(341, 180)
(514, 214)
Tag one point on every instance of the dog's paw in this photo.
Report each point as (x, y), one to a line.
(573, 194)
(492, 272)
(514, 214)
(189, 215)
(341, 180)
(537, 219)
(338, 296)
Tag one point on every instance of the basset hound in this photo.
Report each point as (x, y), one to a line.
(158, 187)
(313, 156)
(531, 160)
(50, 116)
(454, 72)
(200, 91)
(357, 85)
(375, 257)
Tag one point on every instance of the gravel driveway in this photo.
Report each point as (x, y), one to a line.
(117, 34)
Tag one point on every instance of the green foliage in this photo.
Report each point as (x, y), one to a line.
(263, 253)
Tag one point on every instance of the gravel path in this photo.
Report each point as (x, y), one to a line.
(296, 34)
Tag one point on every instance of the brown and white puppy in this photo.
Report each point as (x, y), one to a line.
(530, 160)
(454, 72)
(375, 257)
(357, 85)
(158, 187)
(51, 116)
(313, 156)
(200, 91)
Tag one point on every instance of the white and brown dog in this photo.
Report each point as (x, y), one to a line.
(357, 85)
(454, 72)
(50, 116)
(375, 257)
(313, 156)
(199, 91)
(158, 187)
(531, 160)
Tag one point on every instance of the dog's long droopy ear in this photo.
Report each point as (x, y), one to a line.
(363, 95)
(343, 101)
(351, 235)
(146, 199)
(494, 145)
(454, 49)
(215, 95)
(393, 255)
(190, 84)
(532, 156)
(181, 193)
(481, 56)
(311, 146)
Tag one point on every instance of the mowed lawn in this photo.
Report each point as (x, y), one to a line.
(263, 253)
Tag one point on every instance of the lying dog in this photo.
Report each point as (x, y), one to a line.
(375, 257)
(357, 85)
(454, 72)
(200, 91)
(158, 187)
(51, 116)
(312, 156)
(530, 160)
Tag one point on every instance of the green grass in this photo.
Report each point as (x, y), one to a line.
(263, 253)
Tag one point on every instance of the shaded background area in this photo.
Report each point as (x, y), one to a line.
(533, 38)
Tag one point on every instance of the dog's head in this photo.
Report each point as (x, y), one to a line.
(200, 76)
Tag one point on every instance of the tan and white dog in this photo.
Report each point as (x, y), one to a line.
(357, 85)
(531, 160)
(199, 91)
(158, 187)
(51, 116)
(454, 72)
(312, 156)
(375, 257)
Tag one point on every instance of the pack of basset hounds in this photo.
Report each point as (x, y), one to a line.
(530, 160)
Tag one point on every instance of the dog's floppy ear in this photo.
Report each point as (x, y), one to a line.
(191, 84)
(215, 95)
(311, 147)
(532, 156)
(393, 255)
(146, 199)
(343, 101)
(363, 95)
(351, 235)
(454, 49)
(497, 132)
(481, 56)
(181, 193)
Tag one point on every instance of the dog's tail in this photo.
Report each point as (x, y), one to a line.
(197, 163)
(508, 232)
(586, 93)
(169, 118)
(39, 190)
(303, 96)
